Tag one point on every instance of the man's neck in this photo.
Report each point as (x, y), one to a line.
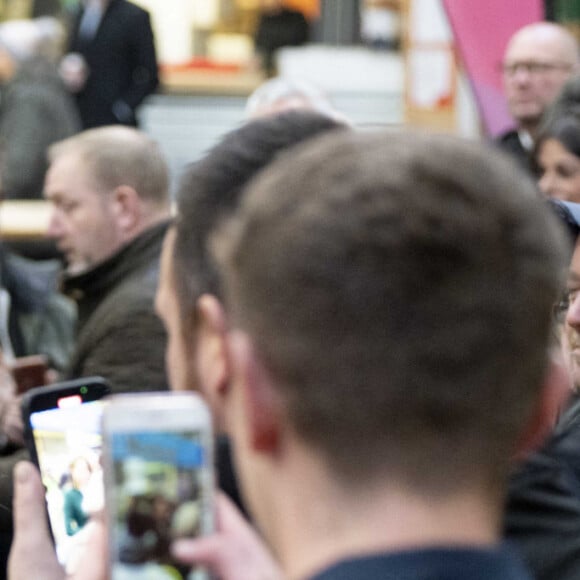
(318, 524)
(150, 218)
(147, 221)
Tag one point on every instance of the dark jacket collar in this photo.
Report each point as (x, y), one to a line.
(570, 417)
(431, 564)
(134, 255)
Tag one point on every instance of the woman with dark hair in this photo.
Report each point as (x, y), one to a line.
(558, 158)
(557, 150)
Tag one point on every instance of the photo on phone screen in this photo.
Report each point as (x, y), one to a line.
(159, 486)
(63, 425)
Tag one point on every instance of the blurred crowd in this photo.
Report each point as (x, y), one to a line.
(384, 325)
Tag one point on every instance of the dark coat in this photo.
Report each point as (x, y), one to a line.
(122, 65)
(543, 507)
(509, 142)
(35, 111)
(436, 563)
(120, 337)
(41, 320)
(282, 28)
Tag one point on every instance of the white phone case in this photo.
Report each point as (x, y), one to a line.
(158, 451)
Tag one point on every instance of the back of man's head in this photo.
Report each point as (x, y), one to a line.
(211, 190)
(114, 156)
(398, 289)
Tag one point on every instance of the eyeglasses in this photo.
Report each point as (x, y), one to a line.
(510, 69)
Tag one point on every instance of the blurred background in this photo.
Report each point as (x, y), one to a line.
(380, 62)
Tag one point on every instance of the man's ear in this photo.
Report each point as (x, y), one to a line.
(555, 392)
(127, 208)
(213, 366)
(260, 401)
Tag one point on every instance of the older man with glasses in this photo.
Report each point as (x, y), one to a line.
(538, 60)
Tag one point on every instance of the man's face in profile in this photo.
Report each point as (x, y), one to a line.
(83, 219)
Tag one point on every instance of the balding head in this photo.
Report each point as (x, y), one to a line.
(538, 60)
(117, 155)
(107, 186)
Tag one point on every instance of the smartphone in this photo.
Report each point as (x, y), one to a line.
(29, 372)
(63, 435)
(158, 461)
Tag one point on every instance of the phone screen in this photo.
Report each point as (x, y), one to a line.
(68, 445)
(161, 482)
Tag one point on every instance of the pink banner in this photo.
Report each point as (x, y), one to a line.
(482, 31)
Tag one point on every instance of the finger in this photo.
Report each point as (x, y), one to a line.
(32, 554)
(213, 551)
(50, 376)
(209, 551)
(92, 561)
(229, 557)
(228, 516)
(29, 502)
(234, 547)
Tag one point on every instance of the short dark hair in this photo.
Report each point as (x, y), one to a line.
(564, 129)
(211, 189)
(561, 120)
(398, 288)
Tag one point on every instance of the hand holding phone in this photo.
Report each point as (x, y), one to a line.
(32, 553)
(235, 551)
(159, 481)
(63, 436)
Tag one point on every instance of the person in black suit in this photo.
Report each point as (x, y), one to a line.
(278, 26)
(111, 63)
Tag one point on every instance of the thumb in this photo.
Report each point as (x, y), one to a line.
(234, 552)
(32, 554)
(29, 504)
(207, 551)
